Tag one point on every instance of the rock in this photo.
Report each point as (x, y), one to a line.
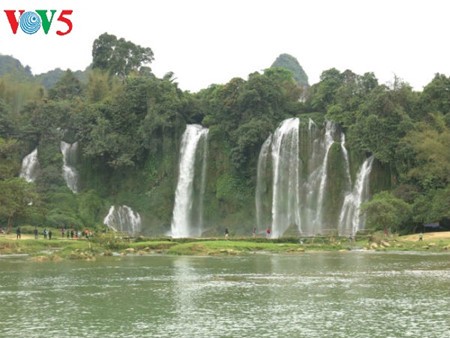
(374, 246)
(40, 259)
(129, 250)
(385, 244)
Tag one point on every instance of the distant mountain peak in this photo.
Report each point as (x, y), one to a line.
(10, 65)
(290, 63)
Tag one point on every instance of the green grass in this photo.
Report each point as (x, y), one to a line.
(109, 243)
(36, 247)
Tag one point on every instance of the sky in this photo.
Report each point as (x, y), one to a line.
(206, 42)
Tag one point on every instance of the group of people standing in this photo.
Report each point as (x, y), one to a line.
(48, 234)
(268, 232)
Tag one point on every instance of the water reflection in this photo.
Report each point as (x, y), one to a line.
(186, 290)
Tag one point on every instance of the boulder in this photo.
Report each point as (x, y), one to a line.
(385, 244)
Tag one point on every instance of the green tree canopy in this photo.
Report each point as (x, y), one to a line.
(430, 143)
(386, 211)
(18, 198)
(119, 56)
(68, 87)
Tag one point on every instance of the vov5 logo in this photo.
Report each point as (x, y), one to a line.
(31, 22)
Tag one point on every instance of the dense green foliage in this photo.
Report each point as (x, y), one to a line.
(118, 56)
(129, 123)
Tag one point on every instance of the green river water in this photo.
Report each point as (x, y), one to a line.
(353, 294)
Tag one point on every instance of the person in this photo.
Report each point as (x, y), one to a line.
(45, 233)
(420, 236)
(226, 233)
(36, 233)
(268, 233)
(18, 233)
(50, 234)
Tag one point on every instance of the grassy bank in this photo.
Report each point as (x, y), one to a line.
(111, 244)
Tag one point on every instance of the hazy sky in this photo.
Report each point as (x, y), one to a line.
(212, 41)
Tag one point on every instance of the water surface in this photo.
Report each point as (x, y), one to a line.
(355, 294)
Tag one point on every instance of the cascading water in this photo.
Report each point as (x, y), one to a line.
(346, 159)
(69, 172)
(285, 161)
(30, 165)
(262, 186)
(123, 219)
(323, 173)
(314, 184)
(308, 183)
(188, 208)
(350, 219)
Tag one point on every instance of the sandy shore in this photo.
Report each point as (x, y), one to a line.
(428, 236)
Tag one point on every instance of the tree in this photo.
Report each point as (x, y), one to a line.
(18, 198)
(436, 96)
(101, 87)
(323, 93)
(430, 142)
(380, 123)
(119, 56)
(432, 206)
(9, 164)
(349, 97)
(386, 211)
(7, 120)
(68, 87)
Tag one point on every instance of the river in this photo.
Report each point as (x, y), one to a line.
(352, 294)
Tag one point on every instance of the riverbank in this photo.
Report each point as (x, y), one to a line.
(111, 244)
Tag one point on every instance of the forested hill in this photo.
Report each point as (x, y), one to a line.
(290, 63)
(13, 69)
(127, 124)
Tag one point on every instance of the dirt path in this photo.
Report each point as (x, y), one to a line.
(13, 236)
(428, 236)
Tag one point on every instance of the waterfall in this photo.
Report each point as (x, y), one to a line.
(69, 172)
(311, 124)
(323, 173)
(307, 181)
(346, 159)
(285, 161)
(315, 184)
(350, 219)
(123, 219)
(261, 186)
(187, 212)
(30, 165)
